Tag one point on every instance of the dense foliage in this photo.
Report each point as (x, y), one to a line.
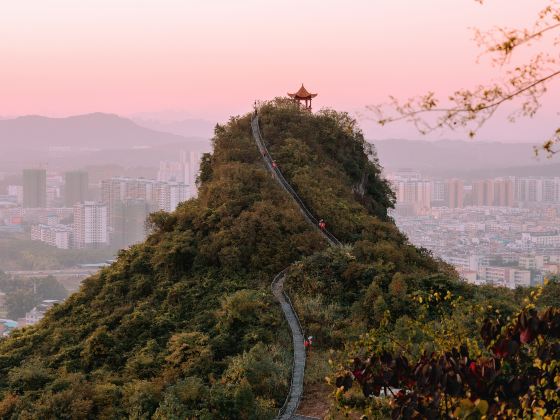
(511, 372)
(327, 161)
(393, 300)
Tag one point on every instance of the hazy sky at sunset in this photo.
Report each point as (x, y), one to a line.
(212, 58)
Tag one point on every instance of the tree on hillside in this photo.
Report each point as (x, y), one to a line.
(522, 83)
(23, 294)
(510, 370)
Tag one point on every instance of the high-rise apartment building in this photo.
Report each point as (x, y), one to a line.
(551, 190)
(503, 193)
(34, 188)
(534, 190)
(54, 190)
(115, 190)
(168, 195)
(415, 193)
(537, 190)
(520, 190)
(75, 187)
(483, 193)
(455, 191)
(130, 200)
(159, 195)
(440, 193)
(184, 170)
(528, 190)
(90, 225)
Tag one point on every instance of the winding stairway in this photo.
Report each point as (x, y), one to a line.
(291, 404)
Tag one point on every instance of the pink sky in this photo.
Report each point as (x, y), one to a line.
(212, 58)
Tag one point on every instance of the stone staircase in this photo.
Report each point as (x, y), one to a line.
(291, 404)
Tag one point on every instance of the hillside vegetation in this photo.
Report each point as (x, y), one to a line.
(184, 324)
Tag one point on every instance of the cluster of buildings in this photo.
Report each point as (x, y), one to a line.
(184, 170)
(128, 202)
(59, 209)
(30, 318)
(66, 211)
(37, 313)
(505, 246)
(417, 195)
(501, 231)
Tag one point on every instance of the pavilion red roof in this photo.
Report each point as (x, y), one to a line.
(302, 93)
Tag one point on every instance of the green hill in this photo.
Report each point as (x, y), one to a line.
(184, 325)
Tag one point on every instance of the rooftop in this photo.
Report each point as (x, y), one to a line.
(302, 93)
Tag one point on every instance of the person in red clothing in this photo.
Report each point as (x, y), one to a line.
(322, 224)
(274, 164)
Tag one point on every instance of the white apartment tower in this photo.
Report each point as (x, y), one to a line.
(160, 195)
(184, 170)
(169, 194)
(90, 225)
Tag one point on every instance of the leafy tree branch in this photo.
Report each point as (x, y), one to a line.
(471, 108)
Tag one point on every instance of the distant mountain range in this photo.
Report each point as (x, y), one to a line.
(90, 131)
(144, 140)
(463, 158)
(87, 139)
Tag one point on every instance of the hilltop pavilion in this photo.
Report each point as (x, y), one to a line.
(303, 97)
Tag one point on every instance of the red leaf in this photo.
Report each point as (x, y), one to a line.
(526, 336)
